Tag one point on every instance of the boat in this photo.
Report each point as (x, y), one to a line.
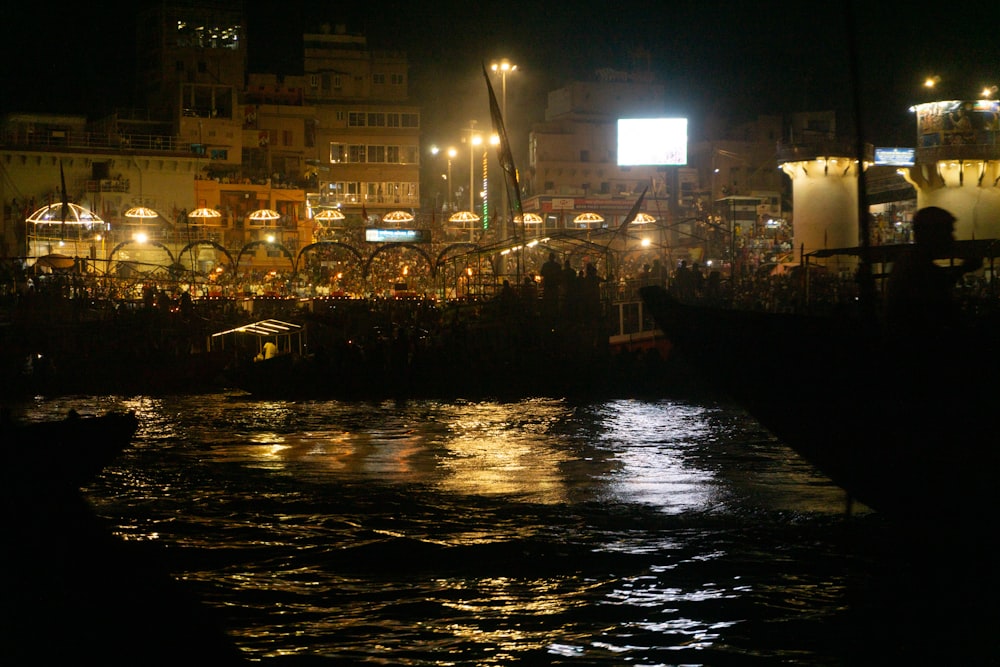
(632, 328)
(61, 455)
(904, 425)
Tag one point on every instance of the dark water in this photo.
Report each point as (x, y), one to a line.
(532, 532)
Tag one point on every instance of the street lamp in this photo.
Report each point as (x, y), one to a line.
(450, 153)
(503, 67)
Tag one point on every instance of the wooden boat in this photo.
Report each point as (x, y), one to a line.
(904, 426)
(632, 328)
(66, 454)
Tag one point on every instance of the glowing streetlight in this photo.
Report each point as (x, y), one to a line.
(932, 81)
(503, 67)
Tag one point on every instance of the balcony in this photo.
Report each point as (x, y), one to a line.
(932, 154)
(820, 148)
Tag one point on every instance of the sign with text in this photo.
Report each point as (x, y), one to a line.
(379, 235)
(899, 157)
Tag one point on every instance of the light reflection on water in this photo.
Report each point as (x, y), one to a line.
(658, 532)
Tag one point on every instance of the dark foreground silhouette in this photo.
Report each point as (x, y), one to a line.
(73, 593)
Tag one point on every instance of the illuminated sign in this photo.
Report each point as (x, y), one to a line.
(897, 157)
(652, 141)
(958, 122)
(376, 235)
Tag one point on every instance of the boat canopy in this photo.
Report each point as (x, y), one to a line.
(288, 337)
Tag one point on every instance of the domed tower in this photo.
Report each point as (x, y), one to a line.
(958, 163)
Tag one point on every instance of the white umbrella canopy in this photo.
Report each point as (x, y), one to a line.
(464, 216)
(588, 219)
(75, 214)
(264, 215)
(329, 215)
(204, 213)
(398, 217)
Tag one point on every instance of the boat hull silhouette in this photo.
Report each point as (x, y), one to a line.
(903, 426)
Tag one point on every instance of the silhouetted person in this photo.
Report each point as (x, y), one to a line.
(657, 274)
(697, 280)
(551, 273)
(591, 292)
(570, 289)
(919, 296)
(682, 280)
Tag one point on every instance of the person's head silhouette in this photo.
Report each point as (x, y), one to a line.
(933, 227)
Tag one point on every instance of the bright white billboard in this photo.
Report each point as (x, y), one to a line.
(652, 141)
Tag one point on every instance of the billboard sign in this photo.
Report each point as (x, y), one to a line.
(896, 157)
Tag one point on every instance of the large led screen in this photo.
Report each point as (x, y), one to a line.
(652, 141)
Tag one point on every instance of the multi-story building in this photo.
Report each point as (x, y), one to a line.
(572, 154)
(339, 133)
(345, 122)
(573, 164)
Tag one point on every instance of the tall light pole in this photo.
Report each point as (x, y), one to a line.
(451, 152)
(474, 140)
(503, 67)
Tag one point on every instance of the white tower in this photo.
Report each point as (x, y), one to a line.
(825, 192)
(958, 163)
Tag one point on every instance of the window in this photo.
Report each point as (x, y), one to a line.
(376, 153)
(410, 120)
(392, 120)
(356, 119)
(378, 79)
(340, 115)
(313, 80)
(286, 138)
(396, 79)
(337, 85)
(356, 153)
(392, 154)
(352, 191)
(338, 153)
(376, 119)
(408, 155)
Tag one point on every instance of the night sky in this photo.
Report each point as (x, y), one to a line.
(719, 61)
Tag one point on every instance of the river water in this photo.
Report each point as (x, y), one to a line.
(542, 531)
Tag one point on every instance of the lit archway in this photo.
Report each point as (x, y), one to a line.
(191, 247)
(253, 245)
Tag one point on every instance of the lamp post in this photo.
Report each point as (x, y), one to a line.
(474, 140)
(503, 67)
(450, 153)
